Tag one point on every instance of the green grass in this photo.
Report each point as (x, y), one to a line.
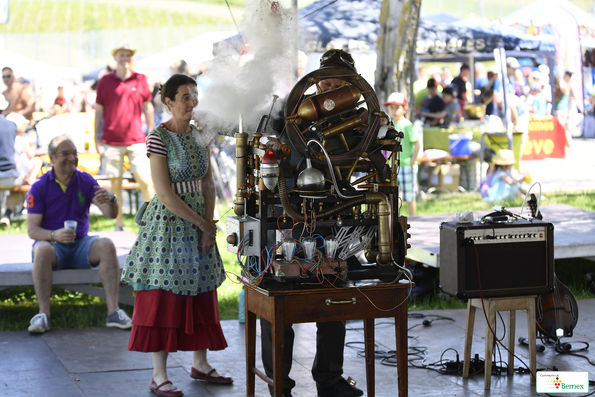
(40, 16)
(76, 310)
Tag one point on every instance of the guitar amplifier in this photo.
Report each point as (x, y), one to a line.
(496, 259)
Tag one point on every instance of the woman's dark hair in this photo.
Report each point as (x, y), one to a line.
(170, 88)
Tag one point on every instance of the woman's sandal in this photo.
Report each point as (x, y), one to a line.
(165, 393)
(221, 380)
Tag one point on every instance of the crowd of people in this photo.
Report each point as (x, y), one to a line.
(440, 98)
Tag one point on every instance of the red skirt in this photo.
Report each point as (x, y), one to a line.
(170, 322)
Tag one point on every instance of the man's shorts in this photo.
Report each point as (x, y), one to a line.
(74, 255)
(112, 160)
(407, 179)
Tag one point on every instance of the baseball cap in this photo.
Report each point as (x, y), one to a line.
(396, 98)
(434, 70)
(512, 62)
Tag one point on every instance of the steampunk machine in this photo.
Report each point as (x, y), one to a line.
(317, 202)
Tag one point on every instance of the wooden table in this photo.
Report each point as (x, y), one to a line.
(326, 304)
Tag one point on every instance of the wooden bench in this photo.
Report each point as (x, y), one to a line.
(128, 186)
(15, 266)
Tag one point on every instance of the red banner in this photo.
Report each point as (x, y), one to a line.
(546, 138)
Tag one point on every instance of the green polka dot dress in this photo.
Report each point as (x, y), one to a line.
(166, 254)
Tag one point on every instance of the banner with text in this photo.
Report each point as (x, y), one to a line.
(546, 138)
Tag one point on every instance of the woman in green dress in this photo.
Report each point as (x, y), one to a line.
(175, 265)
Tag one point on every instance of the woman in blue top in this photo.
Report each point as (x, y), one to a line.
(503, 185)
(174, 264)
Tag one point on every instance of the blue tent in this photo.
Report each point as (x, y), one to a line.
(461, 39)
(353, 26)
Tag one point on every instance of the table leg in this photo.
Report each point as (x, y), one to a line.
(491, 318)
(370, 355)
(278, 324)
(511, 329)
(250, 349)
(402, 345)
(532, 336)
(468, 338)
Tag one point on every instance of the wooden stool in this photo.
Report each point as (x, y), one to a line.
(493, 305)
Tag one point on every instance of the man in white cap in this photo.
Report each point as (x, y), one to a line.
(121, 98)
(397, 107)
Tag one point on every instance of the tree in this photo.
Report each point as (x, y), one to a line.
(397, 36)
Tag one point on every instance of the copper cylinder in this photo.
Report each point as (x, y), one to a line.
(241, 164)
(384, 243)
(346, 125)
(328, 103)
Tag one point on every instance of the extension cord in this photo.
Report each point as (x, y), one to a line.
(476, 364)
(453, 365)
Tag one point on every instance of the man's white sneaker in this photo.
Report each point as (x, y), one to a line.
(119, 319)
(39, 324)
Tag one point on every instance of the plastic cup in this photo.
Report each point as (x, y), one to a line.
(70, 225)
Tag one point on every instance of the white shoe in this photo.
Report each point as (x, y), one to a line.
(4, 222)
(39, 324)
(119, 319)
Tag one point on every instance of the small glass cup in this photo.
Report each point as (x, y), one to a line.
(330, 246)
(70, 225)
(309, 246)
(288, 249)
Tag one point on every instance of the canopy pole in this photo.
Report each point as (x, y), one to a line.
(295, 41)
(500, 56)
(472, 76)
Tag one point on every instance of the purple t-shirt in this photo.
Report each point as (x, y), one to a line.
(47, 198)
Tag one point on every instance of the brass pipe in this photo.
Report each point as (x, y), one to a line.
(338, 173)
(351, 170)
(393, 167)
(344, 126)
(241, 165)
(384, 243)
(365, 178)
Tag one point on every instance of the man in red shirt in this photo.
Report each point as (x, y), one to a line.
(122, 96)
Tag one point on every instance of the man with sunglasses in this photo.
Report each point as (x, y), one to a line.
(21, 99)
(66, 194)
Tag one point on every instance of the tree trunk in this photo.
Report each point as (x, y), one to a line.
(397, 38)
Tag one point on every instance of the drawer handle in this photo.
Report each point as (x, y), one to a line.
(329, 302)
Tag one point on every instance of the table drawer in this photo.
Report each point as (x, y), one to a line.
(349, 304)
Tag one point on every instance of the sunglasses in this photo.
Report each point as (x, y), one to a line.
(8, 76)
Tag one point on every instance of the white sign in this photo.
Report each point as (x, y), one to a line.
(562, 382)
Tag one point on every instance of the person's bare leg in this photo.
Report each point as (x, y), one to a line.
(200, 363)
(145, 184)
(13, 200)
(117, 189)
(160, 369)
(35, 164)
(44, 261)
(103, 252)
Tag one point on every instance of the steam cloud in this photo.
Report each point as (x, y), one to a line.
(245, 84)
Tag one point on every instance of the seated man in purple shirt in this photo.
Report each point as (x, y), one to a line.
(65, 193)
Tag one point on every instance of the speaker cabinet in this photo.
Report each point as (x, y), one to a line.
(496, 259)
